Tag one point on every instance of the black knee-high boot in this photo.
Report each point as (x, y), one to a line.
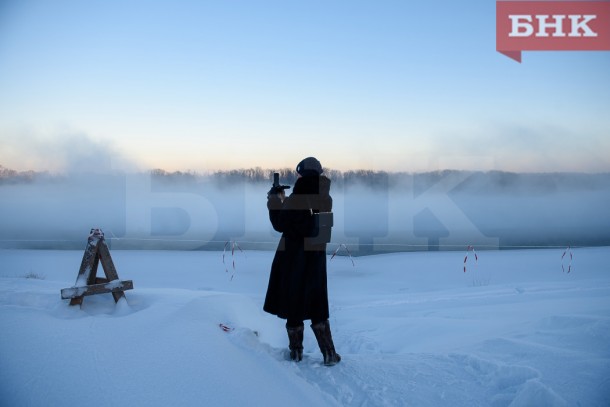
(325, 342)
(295, 338)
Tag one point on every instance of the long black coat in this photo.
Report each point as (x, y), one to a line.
(297, 283)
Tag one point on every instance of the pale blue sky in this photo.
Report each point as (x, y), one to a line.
(200, 85)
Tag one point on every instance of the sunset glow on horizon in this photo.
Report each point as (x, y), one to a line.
(208, 86)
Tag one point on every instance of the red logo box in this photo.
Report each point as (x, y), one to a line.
(552, 26)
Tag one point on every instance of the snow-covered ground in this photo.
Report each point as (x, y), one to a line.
(413, 330)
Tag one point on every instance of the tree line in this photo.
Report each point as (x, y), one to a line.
(474, 181)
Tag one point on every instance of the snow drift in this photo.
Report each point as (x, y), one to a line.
(413, 330)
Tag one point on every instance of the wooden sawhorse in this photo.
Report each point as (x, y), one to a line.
(87, 282)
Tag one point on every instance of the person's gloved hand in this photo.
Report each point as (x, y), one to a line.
(276, 192)
(275, 200)
(272, 192)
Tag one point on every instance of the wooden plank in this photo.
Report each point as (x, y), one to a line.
(93, 274)
(88, 265)
(116, 286)
(106, 259)
(117, 295)
(76, 301)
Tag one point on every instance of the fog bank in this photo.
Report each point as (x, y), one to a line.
(374, 211)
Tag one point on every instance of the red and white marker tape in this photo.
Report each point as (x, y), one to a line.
(567, 251)
(233, 245)
(348, 253)
(476, 257)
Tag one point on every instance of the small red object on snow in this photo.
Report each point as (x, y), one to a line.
(225, 328)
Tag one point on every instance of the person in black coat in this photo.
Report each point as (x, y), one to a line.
(297, 288)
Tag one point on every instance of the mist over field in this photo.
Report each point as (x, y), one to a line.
(374, 211)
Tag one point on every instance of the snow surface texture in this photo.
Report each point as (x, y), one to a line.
(412, 328)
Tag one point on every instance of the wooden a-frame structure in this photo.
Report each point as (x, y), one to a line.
(87, 282)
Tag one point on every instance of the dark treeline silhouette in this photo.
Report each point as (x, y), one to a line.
(475, 182)
(8, 176)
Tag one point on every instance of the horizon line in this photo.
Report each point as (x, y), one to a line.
(162, 171)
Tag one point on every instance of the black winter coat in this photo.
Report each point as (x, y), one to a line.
(297, 284)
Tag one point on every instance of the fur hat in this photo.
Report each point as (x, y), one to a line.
(310, 166)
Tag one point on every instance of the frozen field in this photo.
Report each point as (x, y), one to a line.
(413, 330)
